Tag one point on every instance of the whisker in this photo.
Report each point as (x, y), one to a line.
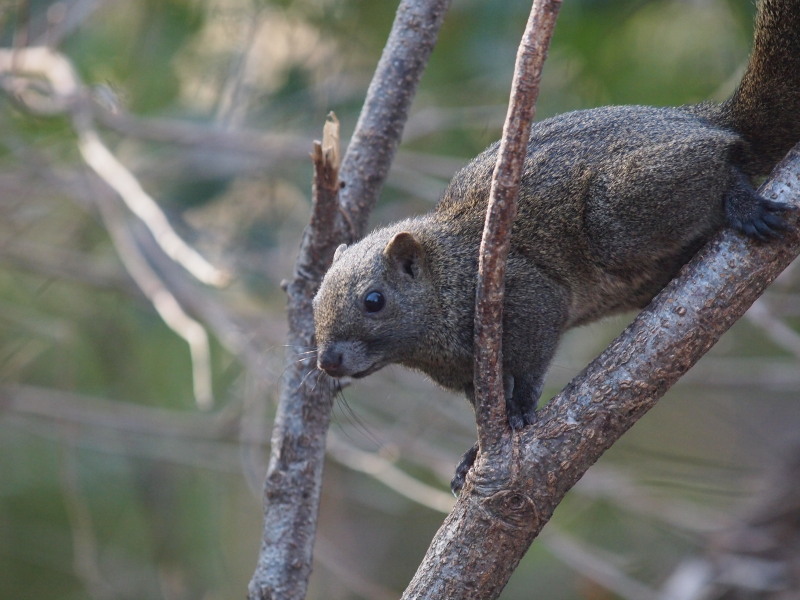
(307, 353)
(306, 376)
(300, 347)
(305, 359)
(353, 417)
(319, 373)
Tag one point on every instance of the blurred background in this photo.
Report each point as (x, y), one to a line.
(136, 401)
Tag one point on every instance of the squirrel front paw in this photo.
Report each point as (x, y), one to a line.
(457, 483)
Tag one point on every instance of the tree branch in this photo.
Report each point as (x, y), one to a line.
(380, 125)
(481, 542)
(292, 488)
(294, 475)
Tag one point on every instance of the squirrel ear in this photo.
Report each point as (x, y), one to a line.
(405, 253)
(338, 252)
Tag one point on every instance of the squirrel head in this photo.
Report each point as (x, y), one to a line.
(373, 304)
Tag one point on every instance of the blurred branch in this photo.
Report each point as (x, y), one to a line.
(114, 173)
(230, 107)
(50, 27)
(590, 563)
(632, 497)
(84, 542)
(236, 332)
(79, 413)
(65, 92)
(757, 557)
(433, 120)
(778, 331)
(266, 147)
(383, 470)
(165, 304)
(329, 554)
(91, 412)
(62, 263)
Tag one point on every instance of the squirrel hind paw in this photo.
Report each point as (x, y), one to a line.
(457, 483)
(757, 217)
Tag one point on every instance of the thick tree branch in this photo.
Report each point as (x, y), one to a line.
(480, 543)
(292, 488)
(490, 410)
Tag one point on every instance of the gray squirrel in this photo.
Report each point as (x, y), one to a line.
(612, 202)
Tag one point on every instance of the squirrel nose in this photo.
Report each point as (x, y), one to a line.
(330, 360)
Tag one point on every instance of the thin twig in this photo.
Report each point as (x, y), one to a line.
(490, 410)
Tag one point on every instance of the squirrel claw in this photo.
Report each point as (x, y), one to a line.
(757, 217)
(516, 421)
(457, 483)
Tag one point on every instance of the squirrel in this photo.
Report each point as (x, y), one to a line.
(613, 201)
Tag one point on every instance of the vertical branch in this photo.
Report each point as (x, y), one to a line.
(483, 539)
(490, 406)
(294, 474)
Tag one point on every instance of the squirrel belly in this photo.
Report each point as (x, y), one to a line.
(612, 202)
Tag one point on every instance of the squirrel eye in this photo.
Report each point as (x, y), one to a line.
(374, 301)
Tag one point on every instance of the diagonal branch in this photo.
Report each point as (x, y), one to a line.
(380, 125)
(481, 542)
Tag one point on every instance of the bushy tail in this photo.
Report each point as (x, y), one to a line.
(765, 108)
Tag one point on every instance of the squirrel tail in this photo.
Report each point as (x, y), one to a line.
(765, 108)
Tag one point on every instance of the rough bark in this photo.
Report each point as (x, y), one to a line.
(510, 495)
(294, 475)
